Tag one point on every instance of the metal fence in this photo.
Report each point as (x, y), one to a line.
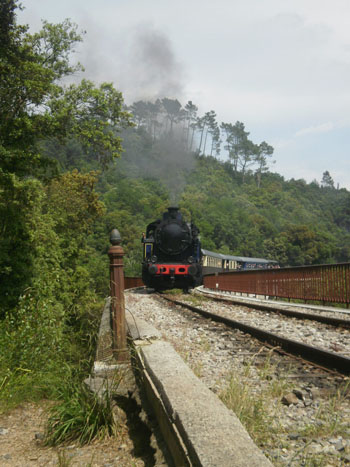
(131, 282)
(324, 283)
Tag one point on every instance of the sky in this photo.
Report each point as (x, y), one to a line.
(282, 67)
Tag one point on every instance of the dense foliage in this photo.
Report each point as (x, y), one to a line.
(255, 213)
(49, 307)
(240, 210)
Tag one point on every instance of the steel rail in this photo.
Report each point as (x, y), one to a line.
(278, 309)
(316, 355)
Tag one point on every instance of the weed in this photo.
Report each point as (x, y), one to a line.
(267, 369)
(80, 415)
(174, 292)
(186, 356)
(196, 300)
(63, 460)
(250, 409)
(328, 419)
(247, 364)
(315, 460)
(205, 344)
(325, 424)
(91, 463)
(198, 369)
(278, 387)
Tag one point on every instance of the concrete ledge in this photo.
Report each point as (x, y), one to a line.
(140, 329)
(197, 427)
(104, 352)
(108, 375)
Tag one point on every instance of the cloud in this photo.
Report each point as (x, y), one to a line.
(281, 143)
(323, 128)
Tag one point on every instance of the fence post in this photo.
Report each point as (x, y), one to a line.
(116, 254)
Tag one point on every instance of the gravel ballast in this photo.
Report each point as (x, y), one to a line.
(309, 421)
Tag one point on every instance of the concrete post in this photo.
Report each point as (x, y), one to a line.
(116, 254)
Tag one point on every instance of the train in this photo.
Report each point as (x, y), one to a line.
(171, 253)
(173, 256)
(218, 262)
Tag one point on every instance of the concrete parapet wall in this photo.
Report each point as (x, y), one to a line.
(104, 352)
(198, 428)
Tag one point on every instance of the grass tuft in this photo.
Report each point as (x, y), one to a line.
(81, 416)
(173, 292)
(328, 418)
(250, 409)
(63, 460)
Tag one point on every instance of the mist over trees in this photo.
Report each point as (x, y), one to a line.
(202, 135)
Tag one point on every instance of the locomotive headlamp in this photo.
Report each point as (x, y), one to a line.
(191, 259)
(153, 269)
(154, 259)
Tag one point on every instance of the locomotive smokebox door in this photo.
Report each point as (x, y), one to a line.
(171, 253)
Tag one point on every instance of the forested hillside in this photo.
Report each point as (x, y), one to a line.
(241, 209)
(239, 205)
(63, 187)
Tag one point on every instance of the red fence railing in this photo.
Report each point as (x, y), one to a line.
(325, 283)
(131, 282)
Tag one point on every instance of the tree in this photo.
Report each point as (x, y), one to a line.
(36, 105)
(172, 109)
(154, 110)
(191, 114)
(300, 245)
(211, 125)
(247, 153)
(7, 14)
(206, 124)
(264, 151)
(215, 140)
(200, 126)
(236, 138)
(139, 110)
(327, 180)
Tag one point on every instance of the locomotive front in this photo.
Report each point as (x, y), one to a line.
(171, 253)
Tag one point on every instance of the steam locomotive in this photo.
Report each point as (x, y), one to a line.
(173, 258)
(171, 253)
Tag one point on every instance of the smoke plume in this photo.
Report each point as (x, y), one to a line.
(152, 70)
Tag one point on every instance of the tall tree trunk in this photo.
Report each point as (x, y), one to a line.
(200, 142)
(205, 141)
(191, 145)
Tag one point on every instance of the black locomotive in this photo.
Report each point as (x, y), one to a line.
(171, 253)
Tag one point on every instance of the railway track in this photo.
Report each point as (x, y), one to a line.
(293, 394)
(322, 358)
(332, 321)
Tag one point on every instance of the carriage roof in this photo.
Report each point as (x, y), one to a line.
(239, 259)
